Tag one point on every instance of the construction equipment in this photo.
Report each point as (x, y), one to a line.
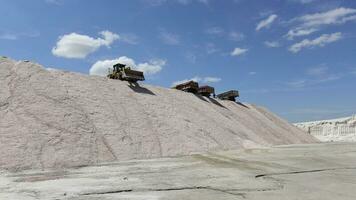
(229, 95)
(125, 73)
(206, 91)
(190, 86)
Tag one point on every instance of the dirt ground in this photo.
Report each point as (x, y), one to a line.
(313, 171)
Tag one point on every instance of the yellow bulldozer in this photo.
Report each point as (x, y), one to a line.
(125, 73)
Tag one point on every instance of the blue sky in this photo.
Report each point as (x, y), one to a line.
(296, 57)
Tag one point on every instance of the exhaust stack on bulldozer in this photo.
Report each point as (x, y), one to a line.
(125, 73)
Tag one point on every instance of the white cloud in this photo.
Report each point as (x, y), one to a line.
(76, 45)
(215, 31)
(55, 2)
(169, 38)
(236, 36)
(211, 48)
(311, 23)
(304, 1)
(320, 41)
(266, 23)
(297, 83)
(238, 52)
(15, 35)
(101, 67)
(8, 36)
(300, 32)
(129, 38)
(317, 71)
(252, 73)
(211, 79)
(182, 2)
(272, 44)
(335, 16)
(314, 76)
(205, 80)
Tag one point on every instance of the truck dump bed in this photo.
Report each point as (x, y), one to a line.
(229, 95)
(206, 90)
(190, 86)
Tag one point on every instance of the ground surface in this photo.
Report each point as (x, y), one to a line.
(317, 171)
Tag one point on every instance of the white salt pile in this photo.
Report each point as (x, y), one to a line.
(55, 119)
(341, 129)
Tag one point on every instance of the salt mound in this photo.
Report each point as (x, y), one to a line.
(340, 130)
(55, 119)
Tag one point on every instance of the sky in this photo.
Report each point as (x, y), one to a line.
(295, 57)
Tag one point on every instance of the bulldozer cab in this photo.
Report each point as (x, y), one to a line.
(117, 67)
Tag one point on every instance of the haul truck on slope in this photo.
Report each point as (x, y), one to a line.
(125, 73)
(229, 95)
(206, 91)
(190, 86)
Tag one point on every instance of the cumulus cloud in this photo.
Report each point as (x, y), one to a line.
(311, 23)
(266, 23)
(272, 44)
(101, 67)
(199, 79)
(238, 52)
(320, 42)
(75, 45)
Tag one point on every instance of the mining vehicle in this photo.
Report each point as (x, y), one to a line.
(190, 86)
(206, 91)
(125, 73)
(229, 95)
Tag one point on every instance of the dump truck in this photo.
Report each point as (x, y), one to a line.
(190, 86)
(125, 73)
(229, 95)
(206, 91)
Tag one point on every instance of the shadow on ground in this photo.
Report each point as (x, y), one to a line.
(137, 88)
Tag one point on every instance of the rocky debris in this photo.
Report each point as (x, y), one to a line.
(57, 119)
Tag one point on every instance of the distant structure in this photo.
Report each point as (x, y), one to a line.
(341, 129)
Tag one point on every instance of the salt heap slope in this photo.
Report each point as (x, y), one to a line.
(55, 119)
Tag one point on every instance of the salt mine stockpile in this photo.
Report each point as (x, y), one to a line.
(57, 119)
(340, 130)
